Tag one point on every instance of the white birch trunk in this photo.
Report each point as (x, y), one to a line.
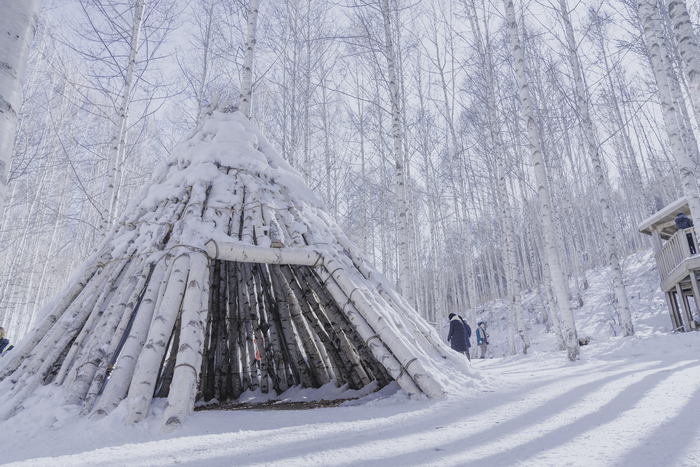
(558, 279)
(145, 372)
(688, 48)
(648, 14)
(296, 358)
(417, 327)
(247, 75)
(96, 291)
(36, 369)
(18, 23)
(205, 62)
(600, 176)
(404, 263)
(189, 356)
(513, 274)
(119, 128)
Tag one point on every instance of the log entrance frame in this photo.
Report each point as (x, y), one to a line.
(272, 326)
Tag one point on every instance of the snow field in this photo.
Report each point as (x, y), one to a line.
(625, 402)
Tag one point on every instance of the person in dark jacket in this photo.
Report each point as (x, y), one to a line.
(683, 222)
(457, 336)
(468, 333)
(4, 343)
(482, 338)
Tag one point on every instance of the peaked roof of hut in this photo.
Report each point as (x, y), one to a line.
(663, 219)
(224, 274)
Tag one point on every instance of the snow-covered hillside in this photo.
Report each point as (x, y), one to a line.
(625, 402)
(598, 317)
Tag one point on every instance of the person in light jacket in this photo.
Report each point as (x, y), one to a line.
(482, 338)
(457, 336)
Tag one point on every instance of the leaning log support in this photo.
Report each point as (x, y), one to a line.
(189, 356)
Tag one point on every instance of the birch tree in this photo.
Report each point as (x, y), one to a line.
(513, 283)
(404, 263)
(118, 133)
(18, 23)
(247, 72)
(558, 279)
(600, 176)
(648, 14)
(687, 43)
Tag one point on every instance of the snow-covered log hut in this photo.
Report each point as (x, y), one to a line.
(225, 274)
(679, 267)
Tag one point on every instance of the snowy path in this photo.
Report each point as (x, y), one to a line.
(630, 406)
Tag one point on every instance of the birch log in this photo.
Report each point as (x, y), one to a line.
(157, 280)
(418, 326)
(341, 358)
(395, 341)
(88, 331)
(373, 341)
(233, 324)
(96, 291)
(303, 332)
(279, 379)
(244, 334)
(352, 344)
(120, 379)
(189, 355)
(37, 368)
(125, 305)
(11, 362)
(249, 317)
(287, 325)
(145, 373)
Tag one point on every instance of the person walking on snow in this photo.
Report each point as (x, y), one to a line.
(482, 338)
(457, 336)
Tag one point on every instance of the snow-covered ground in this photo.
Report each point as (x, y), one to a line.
(625, 402)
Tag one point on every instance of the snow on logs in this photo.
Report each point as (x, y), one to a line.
(225, 275)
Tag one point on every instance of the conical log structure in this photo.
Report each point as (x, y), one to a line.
(225, 274)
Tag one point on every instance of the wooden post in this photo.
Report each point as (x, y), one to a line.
(673, 310)
(680, 305)
(656, 243)
(687, 312)
(696, 296)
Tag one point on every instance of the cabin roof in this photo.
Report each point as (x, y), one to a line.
(663, 219)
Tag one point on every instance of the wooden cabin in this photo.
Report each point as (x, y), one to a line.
(679, 268)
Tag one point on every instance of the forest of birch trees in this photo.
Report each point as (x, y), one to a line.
(472, 149)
